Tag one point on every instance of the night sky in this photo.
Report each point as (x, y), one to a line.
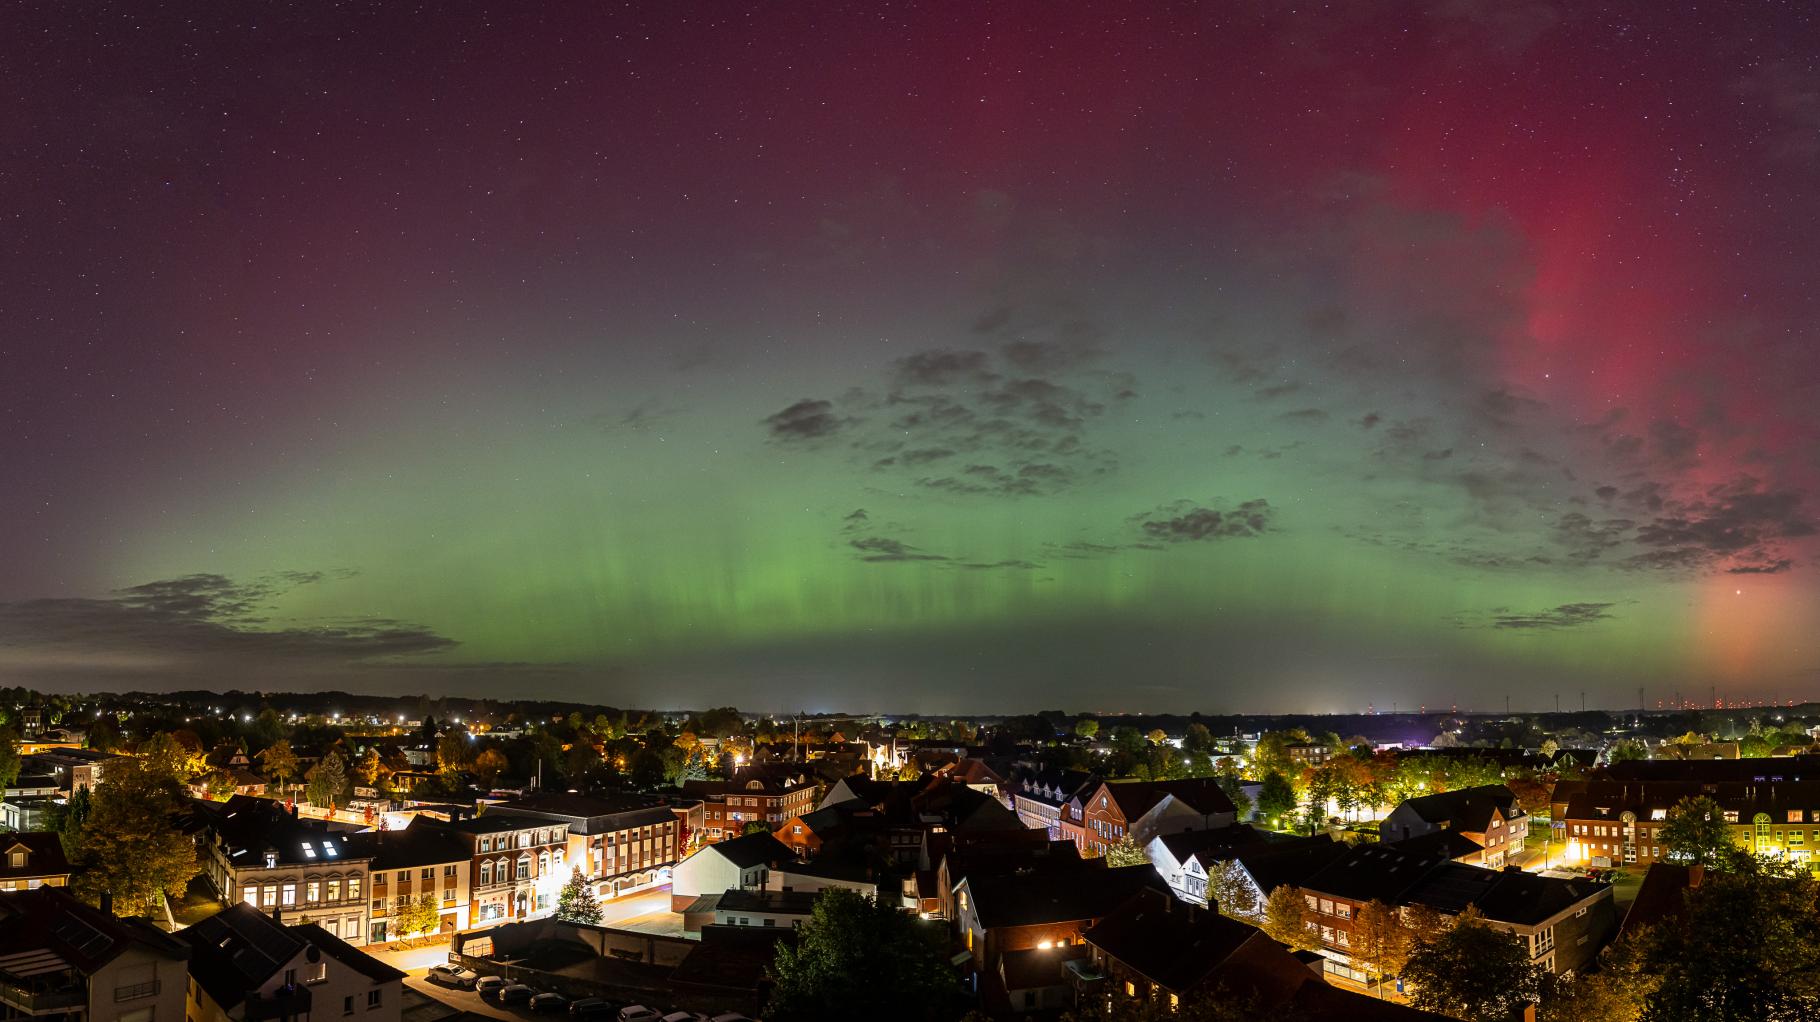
(918, 357)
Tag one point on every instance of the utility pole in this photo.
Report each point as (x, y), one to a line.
(1557, 702)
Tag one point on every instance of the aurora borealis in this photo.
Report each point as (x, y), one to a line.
(946, 357)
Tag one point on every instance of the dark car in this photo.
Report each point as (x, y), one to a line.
(516, 993)
(591, 1006)
(549, 1001)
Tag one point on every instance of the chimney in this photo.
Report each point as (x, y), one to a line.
(278, 914)
(107, 902)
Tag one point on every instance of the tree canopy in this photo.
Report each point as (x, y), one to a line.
(858, 958)
(1473, 972)
(1696, 832)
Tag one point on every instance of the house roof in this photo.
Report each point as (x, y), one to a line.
(1451, 843)
(750, 784)
(250, 828)
(48, 930)
(424, 842)
(1181, 947)
(1033, 968)
(1135, 798)
(1217, 844)
(1290, 862)
(1464, 809)
(1028, 897)
(347, 954)
(750, 850)
(1375, 872)
(1662, 895)
(558, 806)
(44, 855)
(794, 903)
(237, 950)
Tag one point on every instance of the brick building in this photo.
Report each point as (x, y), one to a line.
(729, 806)
(516, 865)
(1488, 815)
(622, 845)
(1140, 810)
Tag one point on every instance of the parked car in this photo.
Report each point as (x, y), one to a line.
(685, 1016)
(638, 1013)
(731, 1016)
(516, 993)
(453, 976)
(590, 1006)
(549, 1000)
(489, 986)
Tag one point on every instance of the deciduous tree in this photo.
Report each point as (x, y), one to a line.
(858, 958)
(1696, 832)
(132, 846)
(1286, 920)
(1473, 972)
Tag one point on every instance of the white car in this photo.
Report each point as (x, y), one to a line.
(638, 1013)
(453, 976)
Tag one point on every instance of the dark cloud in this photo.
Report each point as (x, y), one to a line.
(943, 367)
(878, 549)
(1304, 415)
(637, 419)
(1193, 524)
(808, 419)
(1739, 519)
(1771, 568)
(1567, 615)
(988, 565)
(1586, 540)
(1279, 390)
(1370, 419)
(1674, 443)
(205, 617)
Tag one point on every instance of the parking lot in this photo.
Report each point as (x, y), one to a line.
(468, 1000)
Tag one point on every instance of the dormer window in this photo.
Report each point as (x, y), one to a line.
(18, 860)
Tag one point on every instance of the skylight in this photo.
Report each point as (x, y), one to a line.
(308, 851)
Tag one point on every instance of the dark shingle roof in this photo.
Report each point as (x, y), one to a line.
(1465, 809)
(751, 850)
(44, 855)
(1181, 948)
(347, 954)
(237, 950)
(1450, 843)
(50, 921)
(1028, 898)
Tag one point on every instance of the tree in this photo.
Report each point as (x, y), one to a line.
(1276, 799)
(1473, 972)
(71, 819)
(219, 784)
(328, 779)
(491, 763)
(1380, 942)
(422, 915)
(10, 763)
(1156, 736)
(1126, 852)
(131, 847)
(756, 827)
(279, 763)
(1087, 728)
(576, 904)
(1230, 889)
(1286, 920)
(860, 958)
(1747, 947)
(1625, 750)
(167, 756)
(1696, 832)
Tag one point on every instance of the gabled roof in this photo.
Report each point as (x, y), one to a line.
(1375, 873)
(48, 930)
(1216, 844)
(43, 855)
(251, 827)
(1029, 898)
(1290, 862)
(578, 810)
(1451, 843)
(1465, 809)
(1181, 948)
(750, 850)
(1662, 895)
(237, 950)
(347, 954)
(1135, 798)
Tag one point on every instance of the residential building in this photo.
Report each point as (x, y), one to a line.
(996, 913)
(1183, 858)
(61, 959)
(248, 967)
(254, 851)
(1138, 811)
(787, 909)
(1154, 948)
(1038, 799)
(1564, 922)
(32, 860)
(517, 865)
(621, 845)
(1488, 815)
(1620, 823)
(741, 863)
(728, 807)
(425, 858)
(70, 769)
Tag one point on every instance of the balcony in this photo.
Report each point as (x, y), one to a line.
(284, 1002)
(134, 991)
(42, 1002)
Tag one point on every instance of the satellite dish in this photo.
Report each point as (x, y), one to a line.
(313, 955)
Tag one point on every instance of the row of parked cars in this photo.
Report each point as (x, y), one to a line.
(584, 1009)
